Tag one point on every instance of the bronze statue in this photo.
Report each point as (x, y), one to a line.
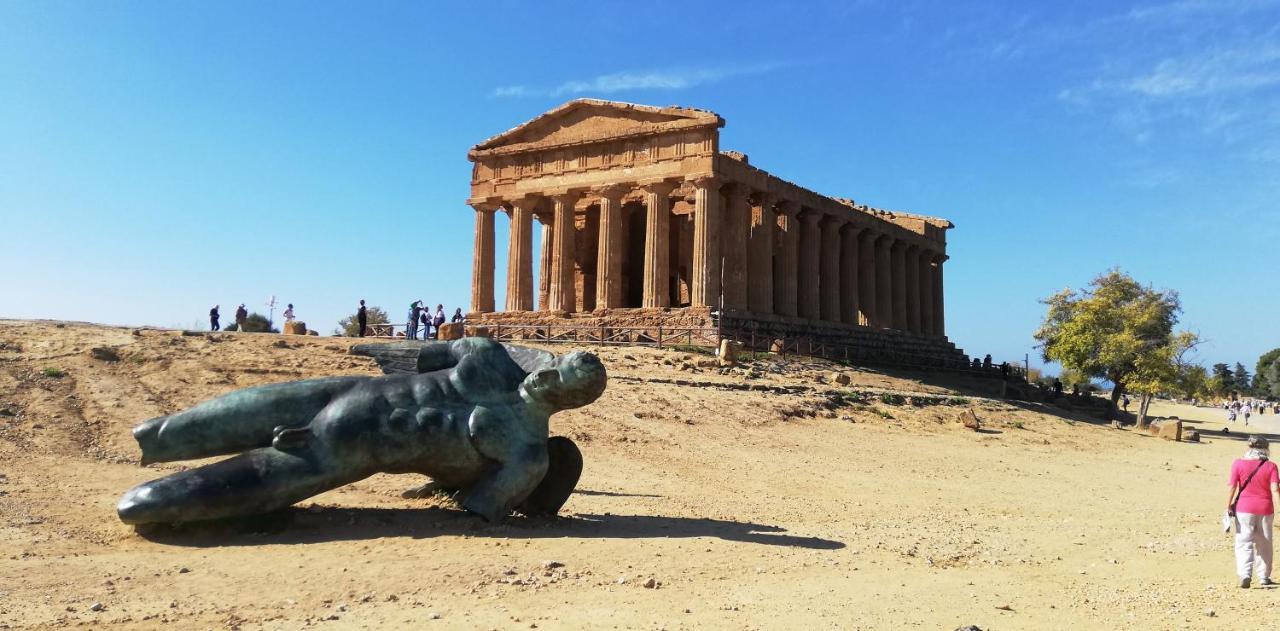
(471, 414)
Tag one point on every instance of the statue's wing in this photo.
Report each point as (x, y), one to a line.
(530, 360)
(395, 358)
(402, 358)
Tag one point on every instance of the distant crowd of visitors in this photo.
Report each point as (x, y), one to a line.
(421, 320)
(1243, 409)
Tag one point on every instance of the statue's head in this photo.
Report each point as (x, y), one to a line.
(575, 380)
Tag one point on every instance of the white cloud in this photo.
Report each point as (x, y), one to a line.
(672, 79)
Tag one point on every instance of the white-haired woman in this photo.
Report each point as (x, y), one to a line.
(1254, 479)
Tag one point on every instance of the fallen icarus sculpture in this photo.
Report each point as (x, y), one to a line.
(472, 414)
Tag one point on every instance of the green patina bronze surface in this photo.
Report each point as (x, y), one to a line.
(471, 414)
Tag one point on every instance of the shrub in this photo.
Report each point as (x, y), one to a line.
(55, 373)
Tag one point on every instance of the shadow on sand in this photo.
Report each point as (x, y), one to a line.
(318, 524)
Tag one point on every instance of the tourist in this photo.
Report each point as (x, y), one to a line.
(213, 319)
(425, 321)
(415, 310)
(1231, 414)
(242, 316)
(1057, 387)
(362, 317)
(1124, 401)
(1254, 480)
(457, 316)
(1246, 410)
(288, 315)
(439, 320)
(986, 362)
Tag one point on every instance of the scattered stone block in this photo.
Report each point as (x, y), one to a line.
(479, 331)
(970, 420)
(104, 353)
(1191, 436)
(729, 351)
(450, 331)
(1168, 429)
(297, 327)
(310, 332)
(839, 378)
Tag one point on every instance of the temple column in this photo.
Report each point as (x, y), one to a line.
(609, 250)
(706, 242)
(657, 247)
(786, 264)
(867, 314)
(926, 292)
(482, 264)
(829, 269)
(544, 262)
(939, 314)
(760, 263)
(809, 277)
(733, 245)
(898, 282)
(912, 288)
(849, 274)
(520, 256)
(884, 279)
(561, 296)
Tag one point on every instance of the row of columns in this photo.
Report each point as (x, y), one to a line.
(774, 257)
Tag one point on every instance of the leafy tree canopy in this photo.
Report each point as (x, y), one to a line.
(1105, 330)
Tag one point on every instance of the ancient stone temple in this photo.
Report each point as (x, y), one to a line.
(644, 221)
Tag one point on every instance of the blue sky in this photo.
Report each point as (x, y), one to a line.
(156, 158)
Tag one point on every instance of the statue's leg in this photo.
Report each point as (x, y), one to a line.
(258, 481)
(237, 421)
(563, 470)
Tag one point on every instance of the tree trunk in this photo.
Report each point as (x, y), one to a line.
(1113, 407)
(1142, 411)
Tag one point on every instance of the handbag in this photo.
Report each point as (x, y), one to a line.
(1230, 518)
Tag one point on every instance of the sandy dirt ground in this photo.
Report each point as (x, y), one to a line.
(791, 504)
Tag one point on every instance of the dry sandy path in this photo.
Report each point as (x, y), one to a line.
(748, 509)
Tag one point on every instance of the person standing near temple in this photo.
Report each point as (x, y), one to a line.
(242, 316)
(213, 319)
(362, 317)
(288, 315)
(439, 319)
(415, 311)
(457, 316)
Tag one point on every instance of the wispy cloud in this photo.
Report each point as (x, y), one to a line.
(670, 79)
(1197, 69)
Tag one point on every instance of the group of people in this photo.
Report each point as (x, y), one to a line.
(420, 319)
(242, 315)
(1244, 409)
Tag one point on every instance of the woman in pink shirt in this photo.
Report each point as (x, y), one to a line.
(1254, 479)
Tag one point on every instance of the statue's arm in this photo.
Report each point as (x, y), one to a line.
(521, 459)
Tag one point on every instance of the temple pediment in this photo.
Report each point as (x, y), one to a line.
(591, 120)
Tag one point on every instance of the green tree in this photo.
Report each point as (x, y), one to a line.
(1273, 379)
(1106, 329)
(1193, 381)
(1264, 385)
(350, 325)
(1241, 378)
(1071, 377)
(1224, 381)
(1160, 371)
(258, 323)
